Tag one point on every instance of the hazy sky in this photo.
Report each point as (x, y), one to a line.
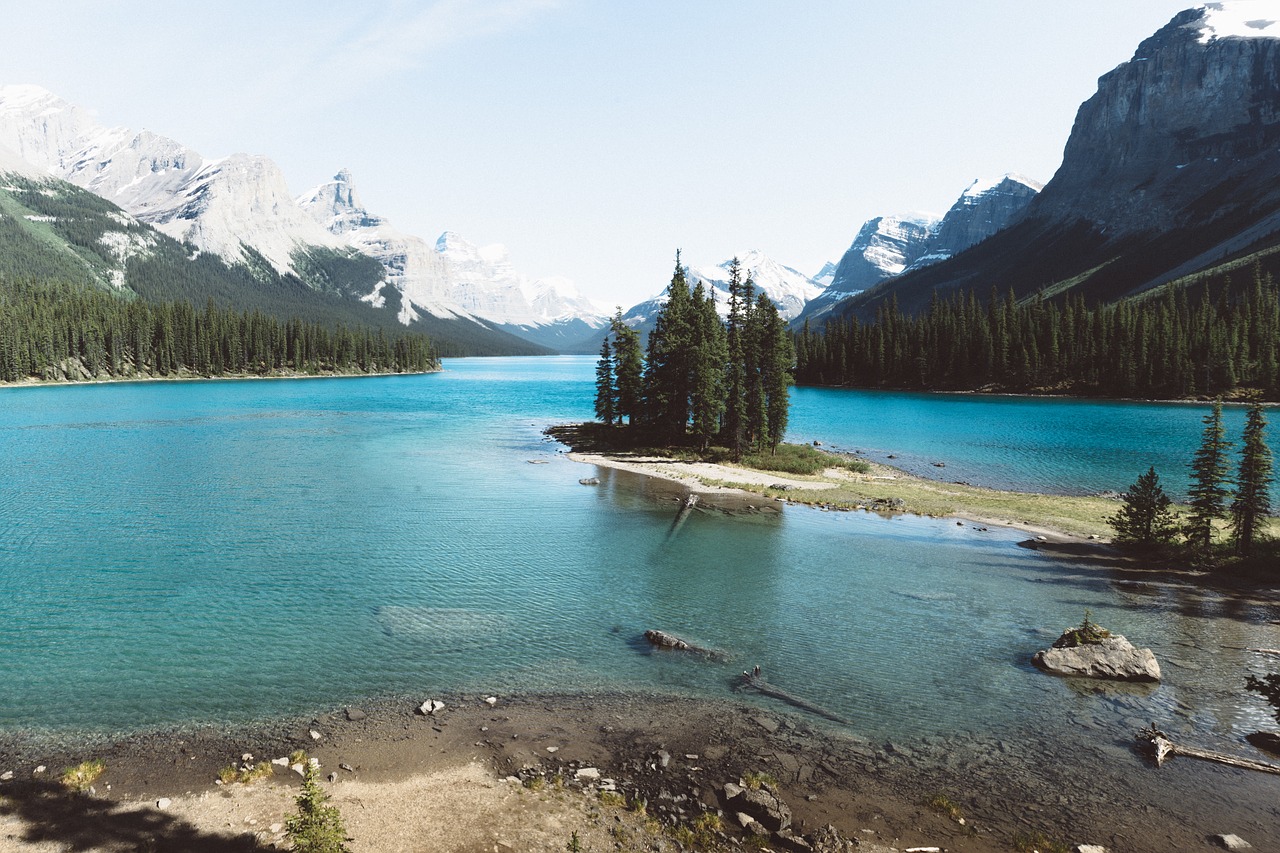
(594, 138)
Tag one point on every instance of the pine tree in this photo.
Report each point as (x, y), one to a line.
(1208, 491)
(628, 368)
(318, 826)
(1146, 518)
(707, 361)
(1252, 499)
(667, 370)
(606, 387)
(776, 363)
(735, 383)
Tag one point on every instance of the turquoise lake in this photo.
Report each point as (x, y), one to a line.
(226, 551)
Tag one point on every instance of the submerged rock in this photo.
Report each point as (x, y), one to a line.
(1112, 657)
(1266, 741)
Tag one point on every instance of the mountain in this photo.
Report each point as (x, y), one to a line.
(789, 289)
(889, 246)
(1172, 169)
(239, 208)
(452, 277)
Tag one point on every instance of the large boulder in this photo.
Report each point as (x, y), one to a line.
(763, 805)
(1111, 657)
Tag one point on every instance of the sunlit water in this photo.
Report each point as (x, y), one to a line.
(212, 551)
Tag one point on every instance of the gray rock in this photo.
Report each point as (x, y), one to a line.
(1113, 658)
(333, 777)
(590, 481)
(1266, 741)
(1231, 842)
(163, 803)
(766, 723)
(731, 790)
(750, 825)
(1089, 848)
(788, 840)
(829, 840)
(355, 715)
(772, 813)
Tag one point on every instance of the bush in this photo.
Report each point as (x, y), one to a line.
(1087, 634)
(83, 775)
(317, 827)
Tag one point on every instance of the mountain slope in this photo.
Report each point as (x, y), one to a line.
(1172, 167)
(890, 246)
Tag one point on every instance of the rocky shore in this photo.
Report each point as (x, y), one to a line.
(527, 772)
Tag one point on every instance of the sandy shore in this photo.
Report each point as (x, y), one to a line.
(707, 478)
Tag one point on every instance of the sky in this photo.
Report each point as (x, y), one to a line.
(594, 139)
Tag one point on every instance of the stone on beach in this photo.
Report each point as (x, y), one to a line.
(1232, 842)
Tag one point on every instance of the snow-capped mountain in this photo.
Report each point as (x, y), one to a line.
(240, 207)
(889, 246)
(453, 277)
(789, 289)
(220, 206)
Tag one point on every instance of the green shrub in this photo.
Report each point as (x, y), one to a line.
(1087, 634)
(83, 775)
(318, 826)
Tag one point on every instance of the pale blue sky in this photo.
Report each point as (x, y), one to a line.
(593, 138)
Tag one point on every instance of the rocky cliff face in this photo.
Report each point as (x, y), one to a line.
(1172, 168)
(1198, 105)
(889, 246)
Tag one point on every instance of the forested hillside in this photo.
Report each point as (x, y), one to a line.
(1214, 338)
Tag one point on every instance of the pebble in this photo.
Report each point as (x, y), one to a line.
(277, 828)
(163, 803)
(248, 756)
(280, 762)
(315, 735)
(41, 769)
(491, 701)
(355, 715)
(6, 776)
(591, 773)
(1232, 842)
(346, 767)
(553, 749)
(333, 777)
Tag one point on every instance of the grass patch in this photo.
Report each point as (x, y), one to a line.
(298, 756)
(1038, 842)
(942, 804)
(612, 798)
(83, 775)
(756, 780)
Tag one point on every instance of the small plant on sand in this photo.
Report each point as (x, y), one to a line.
(535, 783)
(575, 843)
(639, 805)
(612, 798)
(83, 775)
(261, 770)
(706, 827)
(318, 826)
(1037, 842)
(1088, 633)
(298, 756)
(942, 804)
(756, 780)
(228, 774)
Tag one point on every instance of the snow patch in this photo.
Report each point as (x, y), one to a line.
(1238, 19)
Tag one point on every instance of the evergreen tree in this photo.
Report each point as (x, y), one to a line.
(318, 826)
(735, 384)
(667, 368)
(707, 362)
(1146, 518)
(606, 386)
(777, 360)
(1208, 491)
(628, 367)
(1252, 499)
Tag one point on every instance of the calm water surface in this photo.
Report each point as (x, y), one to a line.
(177, 552)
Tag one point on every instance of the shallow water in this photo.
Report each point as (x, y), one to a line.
(205, 551)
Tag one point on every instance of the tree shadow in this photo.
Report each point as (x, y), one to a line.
(50, 812)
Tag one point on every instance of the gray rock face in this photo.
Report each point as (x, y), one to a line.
(982, 211)
(767, 809)
(1113, 658)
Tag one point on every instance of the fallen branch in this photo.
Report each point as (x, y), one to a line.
(1160, 745)
(1267, 651)
(758, 684)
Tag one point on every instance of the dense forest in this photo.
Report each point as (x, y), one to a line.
(1223, 340)
(68, 331)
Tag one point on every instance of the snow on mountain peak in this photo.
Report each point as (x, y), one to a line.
(1238, 19)
(981, 187)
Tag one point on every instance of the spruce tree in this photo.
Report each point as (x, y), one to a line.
(628, 370)
(1208, 491)
(606, 386)
(1145, 519)
(667, 371)
(735, 366)
(707, 362)
(318, 826)
(1253, 482)
(776, 364)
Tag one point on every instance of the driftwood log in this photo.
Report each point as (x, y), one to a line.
(761, 686)
(1161, 747)
(663, 640)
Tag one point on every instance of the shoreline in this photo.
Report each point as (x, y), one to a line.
(53, 383)
(1187, 401)
(474, 775)
(706, 478)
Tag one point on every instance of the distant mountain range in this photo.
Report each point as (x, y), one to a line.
(239, 209)
(1172, 171)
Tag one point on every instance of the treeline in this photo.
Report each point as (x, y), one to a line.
(1170, 346)
(63, 331)
(701, 379)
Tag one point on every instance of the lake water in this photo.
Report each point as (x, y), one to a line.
(206, 551)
